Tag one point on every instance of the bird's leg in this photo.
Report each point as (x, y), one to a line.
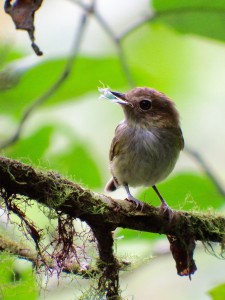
(132, 199)
(164, 206)
(163, 202)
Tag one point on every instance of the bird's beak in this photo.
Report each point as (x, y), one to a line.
(120, 98)
(115, 97)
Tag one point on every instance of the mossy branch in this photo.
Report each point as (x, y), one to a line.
(60, 194)
(104, 214)
(25, 252)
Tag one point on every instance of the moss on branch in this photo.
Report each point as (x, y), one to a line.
(58, 193)
(103, 214)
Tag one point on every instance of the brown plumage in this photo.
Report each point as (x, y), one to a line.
(146, 145)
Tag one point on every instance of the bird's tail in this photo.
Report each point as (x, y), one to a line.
(111, 185)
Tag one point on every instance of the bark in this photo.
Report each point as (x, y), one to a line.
(104, 214)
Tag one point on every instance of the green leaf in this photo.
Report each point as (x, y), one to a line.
(202, 17)
(186, 191)
(218, 292)
(85, 77)
(8, 78)
(8, 54)
(77, 161)
(158, 57)
(32, 148)
(14, 283)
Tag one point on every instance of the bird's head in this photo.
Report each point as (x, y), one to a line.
(147, 107)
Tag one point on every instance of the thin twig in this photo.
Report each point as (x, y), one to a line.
(117, 42)
(137, 24)
(40, 100)
(205, 167)
(124, 65)
(117, 39)
(114, 38)
(157, 14)
(88, 8)
(25, 252)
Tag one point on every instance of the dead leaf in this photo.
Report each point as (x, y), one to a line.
(22, 12)
(183, 250)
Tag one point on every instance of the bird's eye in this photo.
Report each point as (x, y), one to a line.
(145, 104)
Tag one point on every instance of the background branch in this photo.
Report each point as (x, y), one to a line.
(25, 252)
(63, 76)
(206, 169)
(88, 10)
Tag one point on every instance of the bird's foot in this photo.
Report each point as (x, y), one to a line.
(138, 203)
(166, 210)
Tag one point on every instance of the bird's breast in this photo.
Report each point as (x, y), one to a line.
(145, 157)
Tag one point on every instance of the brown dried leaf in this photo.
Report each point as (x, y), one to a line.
(22, 13)
(183, 251)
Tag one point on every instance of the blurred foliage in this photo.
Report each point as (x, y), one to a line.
(203, 17)
(33, 147)
(75, 161)
(8, 55)
(153, 52)
(16, 283)
(187, 191)
(218, 292)
(8, 78)
(86, 77)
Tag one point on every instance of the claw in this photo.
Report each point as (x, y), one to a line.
(130, 198)
(164, 207)
(137, 202)
(167, 211)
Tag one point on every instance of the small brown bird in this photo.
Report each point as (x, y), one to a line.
(147, 143)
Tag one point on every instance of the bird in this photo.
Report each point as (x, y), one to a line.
(146, 144)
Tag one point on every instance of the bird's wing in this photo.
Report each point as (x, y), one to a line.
(114, 149)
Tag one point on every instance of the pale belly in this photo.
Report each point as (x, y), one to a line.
(146, 160)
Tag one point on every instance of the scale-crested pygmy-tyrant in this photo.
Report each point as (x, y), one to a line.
(146, 145)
